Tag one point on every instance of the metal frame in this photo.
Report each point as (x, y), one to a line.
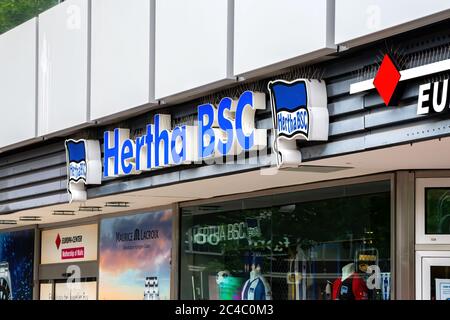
(424, 260)
(391, 176)
(403, 235)
(176, 254)
(421, 185)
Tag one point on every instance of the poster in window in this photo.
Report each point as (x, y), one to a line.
(135, 257)
(16, 265)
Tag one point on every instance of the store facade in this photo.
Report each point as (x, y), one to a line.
(304, 183)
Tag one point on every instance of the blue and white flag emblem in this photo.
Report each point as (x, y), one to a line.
(76, 155)
(83, 167)
(289, 103)
(300, 112)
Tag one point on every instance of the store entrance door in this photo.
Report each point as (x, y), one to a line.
(69, 281)
(433, 275)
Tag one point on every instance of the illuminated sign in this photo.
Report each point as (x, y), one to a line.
(228, 129)
(300, 112)
(83, 167)
(433, 97)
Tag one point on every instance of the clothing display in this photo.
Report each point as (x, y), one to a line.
(256, 289)
(228, 286)
(298, 272)
(351, 286)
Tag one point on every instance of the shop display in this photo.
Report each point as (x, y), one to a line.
(16, 265)
(228, 286)
(386, 285)
(297, 275)
(294, 246)
(350, 286)
(135, 256)
(256, 287)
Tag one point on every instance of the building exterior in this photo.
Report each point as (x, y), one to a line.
(226, 150)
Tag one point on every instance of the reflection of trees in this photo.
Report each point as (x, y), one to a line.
(15, 12)
(350, 223)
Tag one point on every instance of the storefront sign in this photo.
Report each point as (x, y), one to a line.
(300, 112)
(16, 265)
(84, 167)
(228, 129)
(433, 97)
(135, 255)
(215, 234)
(74, 244)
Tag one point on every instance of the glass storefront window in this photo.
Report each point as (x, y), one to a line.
(440, 283)
(437, 212)
(16, 12)
(332, 243)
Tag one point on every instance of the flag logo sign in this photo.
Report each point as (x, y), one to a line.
(299, 112)
(83, 167)
(289, 108)
(76, 153)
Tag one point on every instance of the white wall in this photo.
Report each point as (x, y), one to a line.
(365, 18)
(18, 84)
(271, 32)
(191, 43)
(63, 66)
(121, 56)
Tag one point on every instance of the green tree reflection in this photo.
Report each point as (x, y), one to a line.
(16, 12)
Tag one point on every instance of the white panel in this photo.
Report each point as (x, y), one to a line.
(121, 56)
(191, 45)
(63, 66)
(269, 32)
(18, 84)
(355, 19)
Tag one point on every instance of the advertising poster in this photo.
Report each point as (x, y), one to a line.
(16, 265)
(74, 244)
(135, 253)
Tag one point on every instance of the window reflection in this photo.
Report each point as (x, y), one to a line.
(437, 213)
(324, 244)
(16, 12)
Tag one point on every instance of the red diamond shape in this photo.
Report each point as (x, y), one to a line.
(386, 79)
(58, 241)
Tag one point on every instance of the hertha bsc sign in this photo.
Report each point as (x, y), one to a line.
(84, 167)
(300, 112)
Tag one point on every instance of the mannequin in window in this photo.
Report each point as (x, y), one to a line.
(257, 287)
(350, 286)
